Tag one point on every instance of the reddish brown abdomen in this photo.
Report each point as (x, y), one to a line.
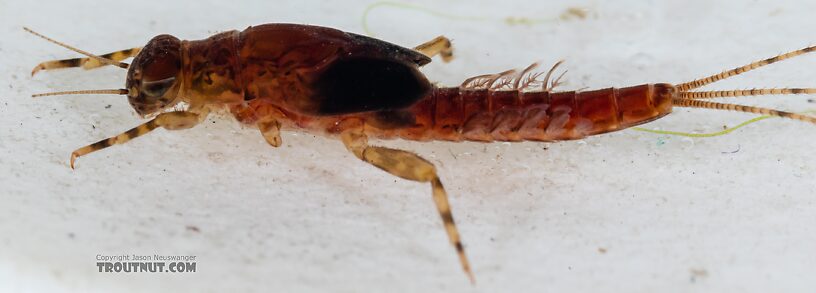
(482, 115)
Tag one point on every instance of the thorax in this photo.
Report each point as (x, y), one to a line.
(211, 70)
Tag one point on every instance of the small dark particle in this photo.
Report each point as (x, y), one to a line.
(811, 101)
(193, 229)
(574, 13)
(602, 250)
(734, 151)
(71, 235)
(697, 274)
(108, 106)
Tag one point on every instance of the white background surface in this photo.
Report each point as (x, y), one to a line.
(672, 214)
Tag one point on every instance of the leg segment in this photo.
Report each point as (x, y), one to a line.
(409, 166)
(270, 129)
(86, 63)
(170, 121)
(440, 45)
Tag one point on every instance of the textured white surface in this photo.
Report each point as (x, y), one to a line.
(672, 214)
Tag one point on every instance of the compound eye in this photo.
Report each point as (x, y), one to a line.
(158, 88)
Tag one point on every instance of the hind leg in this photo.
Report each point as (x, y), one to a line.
(439, 45)
(409, 166)
(86, 63)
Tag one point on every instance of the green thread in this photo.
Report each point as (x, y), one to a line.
(415, 8)
(406, 6)
(713, 134)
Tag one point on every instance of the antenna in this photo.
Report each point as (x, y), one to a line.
(84, 92)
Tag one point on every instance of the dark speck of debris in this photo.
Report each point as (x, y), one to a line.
(602, 250)
(71, 235)
(811, 101)
(734, 151)
(697, 274)
(193, 229)
(108, 106)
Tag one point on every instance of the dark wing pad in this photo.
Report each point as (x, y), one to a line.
(361, 84)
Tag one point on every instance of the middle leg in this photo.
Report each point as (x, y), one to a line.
(439, 45)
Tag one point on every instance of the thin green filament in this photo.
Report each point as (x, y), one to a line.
(713, 134)
(406, 6)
